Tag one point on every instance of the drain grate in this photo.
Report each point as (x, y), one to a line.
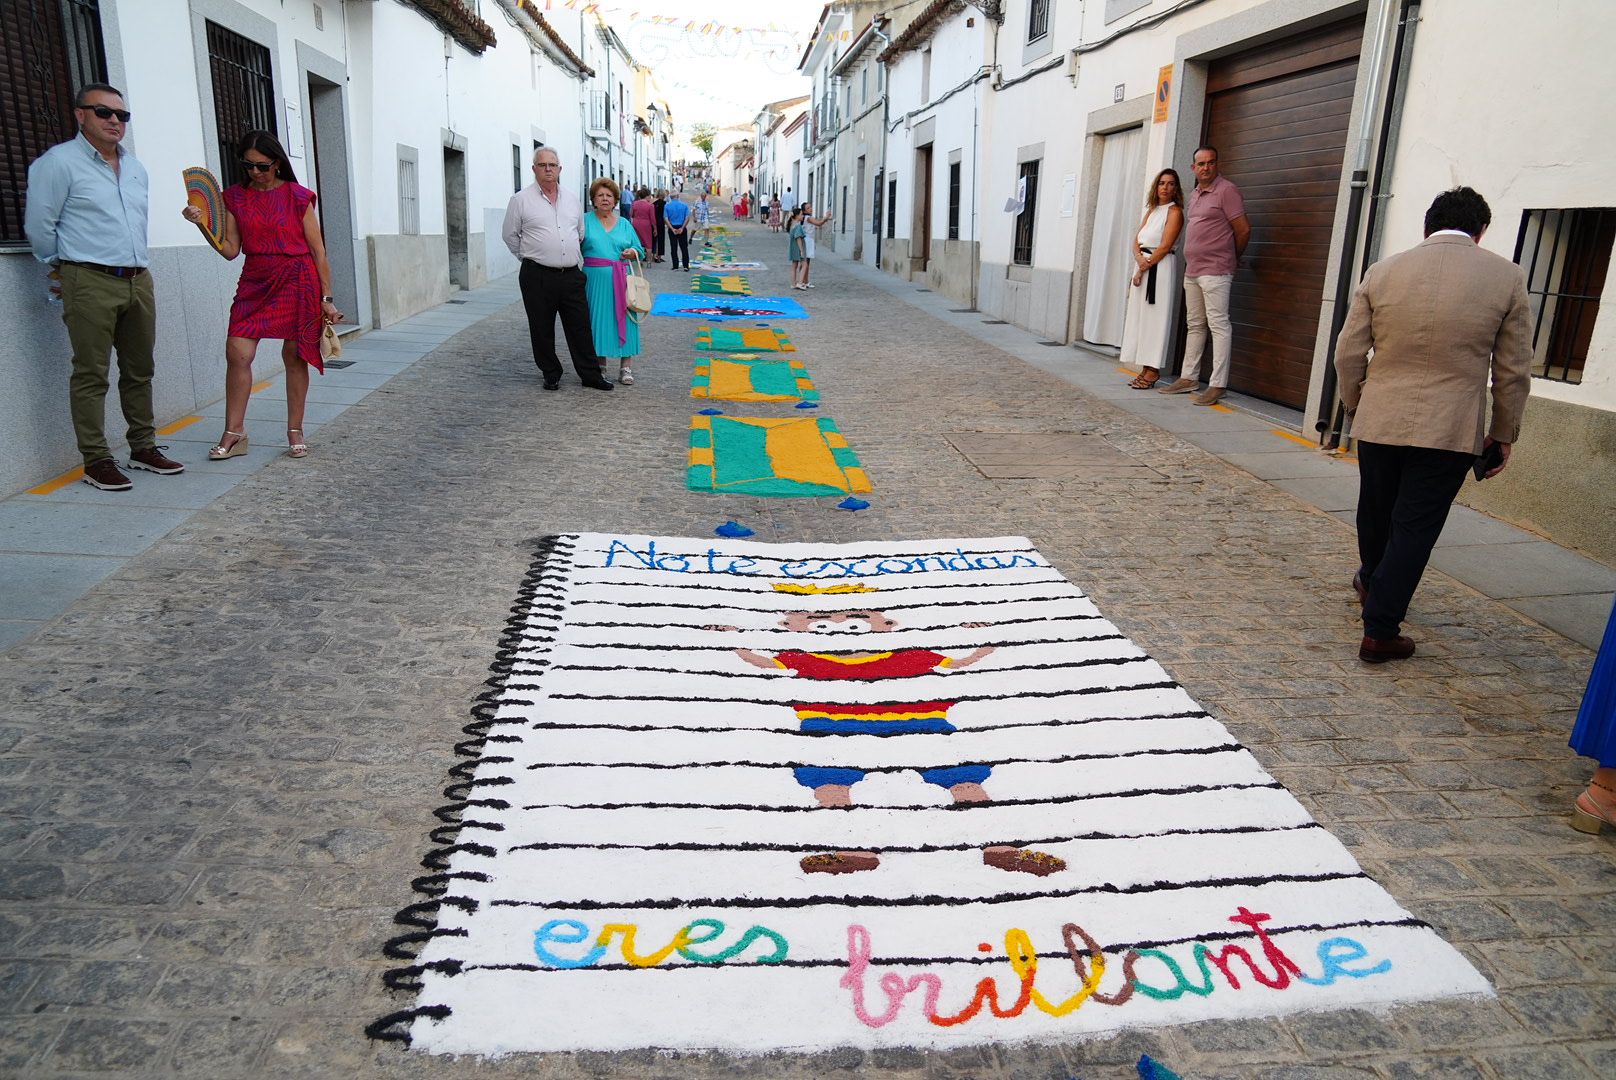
(340, 363)
(922, 290)
(994, 322)
(1056, 344)
(962, 311)
(457, 301)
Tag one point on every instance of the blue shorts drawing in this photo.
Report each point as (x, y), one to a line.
(814, 776)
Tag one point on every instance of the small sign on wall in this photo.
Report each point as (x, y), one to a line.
(1068, 203)
(1119, 91)
(1164, 94)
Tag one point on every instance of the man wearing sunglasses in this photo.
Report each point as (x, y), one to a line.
(86, 216)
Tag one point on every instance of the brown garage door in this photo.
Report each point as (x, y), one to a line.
(1278, 116)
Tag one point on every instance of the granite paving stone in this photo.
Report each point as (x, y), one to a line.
(217, 767)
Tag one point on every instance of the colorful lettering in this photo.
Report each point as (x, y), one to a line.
(576, 932)
(1335, 963)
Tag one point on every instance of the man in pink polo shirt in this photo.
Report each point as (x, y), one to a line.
(1217, 235)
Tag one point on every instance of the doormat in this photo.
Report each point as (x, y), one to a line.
(754, 797)
(726, 339)
(724, 284)
(741, 377)
(689, 306)
(789, 458)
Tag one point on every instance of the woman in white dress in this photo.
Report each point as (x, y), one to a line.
(1149, 329)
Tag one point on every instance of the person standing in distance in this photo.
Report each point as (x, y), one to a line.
(1444, 320)
(678, 215)
(86, 216)
(544, 227)
(1217, 233)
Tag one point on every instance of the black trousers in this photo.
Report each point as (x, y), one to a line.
(1404, 493)
(547, 292)
(680, 243)
(659, 237)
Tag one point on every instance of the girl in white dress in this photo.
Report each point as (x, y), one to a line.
(1148, 331)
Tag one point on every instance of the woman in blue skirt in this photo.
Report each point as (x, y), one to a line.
(1595, 736)
(610, 243)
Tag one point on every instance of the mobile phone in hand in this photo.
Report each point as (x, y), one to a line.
(1487, 460)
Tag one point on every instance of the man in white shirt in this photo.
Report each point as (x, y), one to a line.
(544, 227)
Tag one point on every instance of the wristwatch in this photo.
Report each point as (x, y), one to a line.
(328, 299)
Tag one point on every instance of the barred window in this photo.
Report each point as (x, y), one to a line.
(516, 167)
(243, 95)
(892, 208)
(409, 198)
(1566, 254)
(48, 49)
(1037, 19)
(1022, 255)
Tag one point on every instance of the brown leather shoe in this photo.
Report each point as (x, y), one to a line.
(1380, 650)
(1210, 396)
(1179, 386)
(152, 459)
(1360, 588)
(106, 475)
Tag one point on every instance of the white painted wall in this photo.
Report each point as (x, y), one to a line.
(1552, 74)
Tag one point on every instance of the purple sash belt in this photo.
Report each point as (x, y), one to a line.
(619, 293)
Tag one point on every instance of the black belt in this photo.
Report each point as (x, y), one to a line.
(115, 271)
(1150, 277)
(552, 269)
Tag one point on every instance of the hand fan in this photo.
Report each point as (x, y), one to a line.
(202, 191)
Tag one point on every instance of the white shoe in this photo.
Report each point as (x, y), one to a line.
(625, 375)
(808, 285)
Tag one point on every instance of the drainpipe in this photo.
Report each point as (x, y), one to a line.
(886, 102)
(1331, 416)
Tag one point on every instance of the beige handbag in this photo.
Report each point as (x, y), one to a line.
(330, 344)
(638, 292)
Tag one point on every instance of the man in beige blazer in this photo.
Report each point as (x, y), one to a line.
(1443, 320)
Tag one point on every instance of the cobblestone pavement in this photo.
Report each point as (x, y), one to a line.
(218, 767)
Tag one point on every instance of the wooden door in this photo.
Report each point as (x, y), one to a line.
(1278, 116)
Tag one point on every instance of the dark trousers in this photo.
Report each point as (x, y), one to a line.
(659, 238)
(1404, 493)
(680, 242)
(547, 292)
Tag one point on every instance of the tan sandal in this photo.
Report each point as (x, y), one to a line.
(296, 449)
(235, 449)
(1145, 379)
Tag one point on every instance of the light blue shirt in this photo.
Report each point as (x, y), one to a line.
(79, 210)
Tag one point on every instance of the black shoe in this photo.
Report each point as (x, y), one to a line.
(601, 384)
(1379, 650)
(552, 384)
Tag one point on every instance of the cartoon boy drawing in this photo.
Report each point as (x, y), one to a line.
(833, 787)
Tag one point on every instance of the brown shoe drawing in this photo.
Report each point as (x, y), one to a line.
(839, 862)
(1023, 861)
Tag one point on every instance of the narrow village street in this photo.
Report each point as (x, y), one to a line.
(220, 764)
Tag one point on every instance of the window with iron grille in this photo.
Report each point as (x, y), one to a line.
(1566, 254)
(953, 200)
(1037, 19)
(875, 201)
(892, 208)
(48, 49)
(243, 94)
(1022, 255)
(516, 167)
(409, 198)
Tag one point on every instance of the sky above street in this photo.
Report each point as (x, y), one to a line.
(721, 77)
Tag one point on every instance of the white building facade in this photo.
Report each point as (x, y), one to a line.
(412, 174)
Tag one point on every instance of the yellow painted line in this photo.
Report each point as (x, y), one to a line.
(1126, 371)
(1220, 408)
(1293, 437)
(57, 484)
(178, 425)
(262, 385)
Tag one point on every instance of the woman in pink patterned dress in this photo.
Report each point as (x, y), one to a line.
(284, 291)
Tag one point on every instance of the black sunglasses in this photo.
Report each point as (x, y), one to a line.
(258, 166)
(107, 114)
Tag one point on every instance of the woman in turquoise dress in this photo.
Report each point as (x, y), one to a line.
(610, 244)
